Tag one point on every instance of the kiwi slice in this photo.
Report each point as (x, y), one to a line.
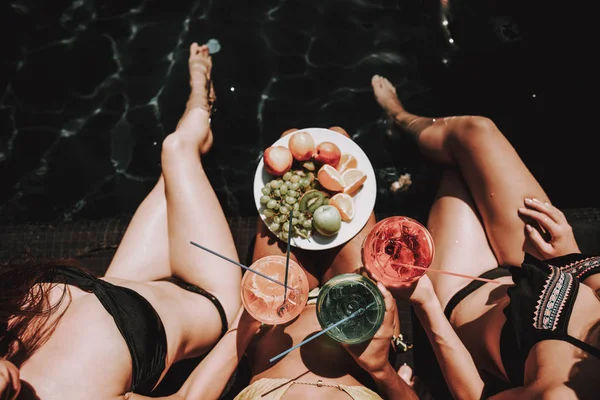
(311, 200)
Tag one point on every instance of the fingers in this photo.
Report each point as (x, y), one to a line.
(10, 382)
(537, 239)
(396, 330)
(133, 396)
(289, 131)
(339, 130)
(390, 306)
(15, 379)
(543, 214)
(546, 208)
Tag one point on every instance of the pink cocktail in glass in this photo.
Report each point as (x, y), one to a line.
(398, 250)
(264, 299)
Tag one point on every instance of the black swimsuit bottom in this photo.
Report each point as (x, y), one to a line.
(541, 301)
(136, 319)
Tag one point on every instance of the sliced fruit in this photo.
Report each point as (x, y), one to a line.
(311, 200)
(353, 179)
(330, 178)
(345, 205)
(347, 161)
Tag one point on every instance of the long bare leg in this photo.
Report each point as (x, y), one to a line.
(193, 209)
(143, 254)
(497, 178)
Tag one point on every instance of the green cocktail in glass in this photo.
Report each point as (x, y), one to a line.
(342, 296)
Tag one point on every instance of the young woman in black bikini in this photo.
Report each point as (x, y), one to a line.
(67, 334)
(539, 330)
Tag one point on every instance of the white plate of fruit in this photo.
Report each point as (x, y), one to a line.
(322, 180)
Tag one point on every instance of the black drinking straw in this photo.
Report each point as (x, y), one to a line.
(239, 265)
(287, 256)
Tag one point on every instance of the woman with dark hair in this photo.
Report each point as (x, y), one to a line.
(537, 330)
(67, 334)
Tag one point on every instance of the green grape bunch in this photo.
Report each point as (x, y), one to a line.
(280, 201)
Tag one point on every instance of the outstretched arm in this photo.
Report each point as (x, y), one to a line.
(455, 361)
(372, 356)
(210, 377)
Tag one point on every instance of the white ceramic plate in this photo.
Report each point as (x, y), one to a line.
(364, 200)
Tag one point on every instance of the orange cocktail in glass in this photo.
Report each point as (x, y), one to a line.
(264, 299)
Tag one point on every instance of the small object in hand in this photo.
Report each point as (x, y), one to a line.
(214, 46)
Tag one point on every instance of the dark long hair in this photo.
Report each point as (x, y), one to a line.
(24, 302)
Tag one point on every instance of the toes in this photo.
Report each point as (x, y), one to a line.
(193, 49)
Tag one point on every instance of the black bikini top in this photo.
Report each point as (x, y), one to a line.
(541, 303)
(135, 318)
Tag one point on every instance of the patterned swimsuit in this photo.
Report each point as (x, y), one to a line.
(541, 303)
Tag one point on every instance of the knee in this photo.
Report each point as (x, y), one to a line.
(471, 130)
(174, 147)
(476, 124)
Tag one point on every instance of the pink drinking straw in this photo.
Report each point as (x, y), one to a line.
(475, 278)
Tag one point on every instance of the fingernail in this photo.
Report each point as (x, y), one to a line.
(536, 200)
(380, 286)
(529, 228)
(522, 209)
(528, 200)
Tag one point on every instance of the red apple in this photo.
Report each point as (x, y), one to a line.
(328, 153)
(278, 160)
(302, 146)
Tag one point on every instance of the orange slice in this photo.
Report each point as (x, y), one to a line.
(345, 205)
(330, 178)
(347, 161)
(353, 179)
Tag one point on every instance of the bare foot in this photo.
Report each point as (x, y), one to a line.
(385, 94)
(196, 118)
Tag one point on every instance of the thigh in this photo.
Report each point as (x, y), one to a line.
(348, 257)
(459, 237)
(267, 244)
(143, 253)
(498, 181)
